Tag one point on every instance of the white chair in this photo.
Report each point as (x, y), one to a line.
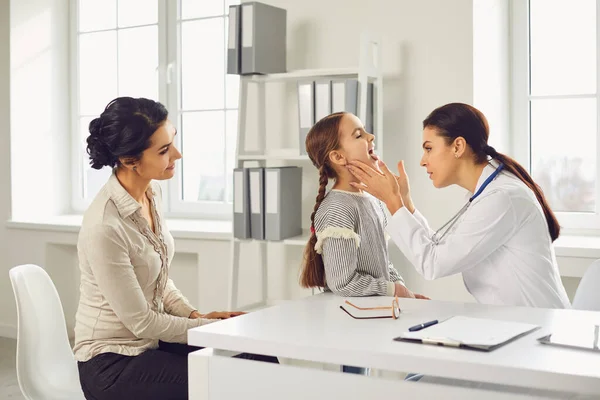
(587, 296)
(46, 367)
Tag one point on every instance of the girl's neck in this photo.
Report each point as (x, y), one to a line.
(343, 182)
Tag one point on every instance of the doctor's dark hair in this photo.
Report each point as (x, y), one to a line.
(123, 131)
(322, 139)
(462, 120)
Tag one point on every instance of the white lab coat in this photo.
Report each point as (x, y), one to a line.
(501, 245)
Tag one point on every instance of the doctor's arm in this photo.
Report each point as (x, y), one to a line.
(485, 227)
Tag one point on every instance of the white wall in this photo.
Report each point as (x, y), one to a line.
(35, 127)
(491, 68)
(428, 61)
(7, 305)
(39, 75)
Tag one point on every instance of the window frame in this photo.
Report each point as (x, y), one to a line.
(571, 222)
(169, 90)
(179, 207)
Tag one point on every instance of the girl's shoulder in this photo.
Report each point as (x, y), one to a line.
(338, 209)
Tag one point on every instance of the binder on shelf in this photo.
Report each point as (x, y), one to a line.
(306, 111)
(241, 203)
(263, 39)
(233, 41)
(369, 124)
(344, 96)
(283, 202)
(257, 203)
(322, 99)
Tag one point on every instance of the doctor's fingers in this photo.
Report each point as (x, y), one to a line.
(401, 170)
(364, 167)
(384, 168)
(402, 177)
(359, 173)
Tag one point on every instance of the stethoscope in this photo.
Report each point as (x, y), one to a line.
(448, 225)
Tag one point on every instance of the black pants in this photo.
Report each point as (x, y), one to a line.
(155, 374)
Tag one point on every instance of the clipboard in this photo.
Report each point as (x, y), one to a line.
(578, 337)
(469, 333)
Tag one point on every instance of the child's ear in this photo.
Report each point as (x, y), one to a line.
(337, 158)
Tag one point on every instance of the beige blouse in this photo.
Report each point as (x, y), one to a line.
(127, 302)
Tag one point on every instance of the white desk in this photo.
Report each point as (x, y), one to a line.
(316, 329)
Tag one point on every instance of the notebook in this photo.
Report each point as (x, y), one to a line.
(474, 333)
(581, 337)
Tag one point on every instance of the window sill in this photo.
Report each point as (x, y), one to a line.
(565, 246)
(577, 246)
(180, 228)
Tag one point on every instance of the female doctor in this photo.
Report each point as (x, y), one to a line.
(501, 240)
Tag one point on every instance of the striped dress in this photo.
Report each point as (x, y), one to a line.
(351, 239)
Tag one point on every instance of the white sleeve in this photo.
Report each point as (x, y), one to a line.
(486, 225)
(421, 220)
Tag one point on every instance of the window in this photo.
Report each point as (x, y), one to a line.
(207, 102)
(555, 104)
(173, 52)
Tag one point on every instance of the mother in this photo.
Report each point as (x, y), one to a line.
(132, 322)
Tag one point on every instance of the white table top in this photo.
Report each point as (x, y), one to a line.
(316, 329)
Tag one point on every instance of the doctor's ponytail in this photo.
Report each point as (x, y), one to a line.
(517, 170)
(462, 120)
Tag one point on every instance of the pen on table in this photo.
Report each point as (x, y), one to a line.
(422, 326)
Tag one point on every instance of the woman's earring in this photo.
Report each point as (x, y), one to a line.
(135, 169)
(455, 156)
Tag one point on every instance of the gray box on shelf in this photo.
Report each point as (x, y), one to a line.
(233, 41)
(241, 203)
(283, 202)
(306, 111)
(257, 203)
(263, 39)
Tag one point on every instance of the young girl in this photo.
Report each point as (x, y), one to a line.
(347, 252)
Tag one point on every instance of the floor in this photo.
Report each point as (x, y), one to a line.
(9, 387)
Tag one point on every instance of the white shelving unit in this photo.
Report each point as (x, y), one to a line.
(305, 74)
(368, 71)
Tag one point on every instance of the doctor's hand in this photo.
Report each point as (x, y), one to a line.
(383, 185)
(404, 186)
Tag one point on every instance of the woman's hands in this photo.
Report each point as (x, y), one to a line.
(384, 185)
(404, 187)
(216, 314)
